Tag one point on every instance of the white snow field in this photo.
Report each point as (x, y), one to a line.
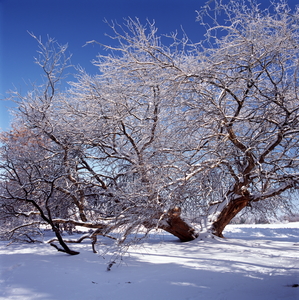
(257, 262)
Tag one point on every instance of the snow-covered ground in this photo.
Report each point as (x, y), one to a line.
(253, 262)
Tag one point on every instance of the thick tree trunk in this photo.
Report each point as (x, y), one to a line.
(175, 225)
(227, 213)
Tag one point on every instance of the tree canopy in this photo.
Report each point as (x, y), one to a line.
(179, 136)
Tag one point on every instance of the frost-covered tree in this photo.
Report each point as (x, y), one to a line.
(166, 133)
(246, 90)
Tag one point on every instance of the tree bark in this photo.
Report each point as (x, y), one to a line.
(175, 225)
(228, 213)
(65, 248)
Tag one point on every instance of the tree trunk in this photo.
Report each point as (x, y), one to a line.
(175, 225)
(227, 214)
(64, 248)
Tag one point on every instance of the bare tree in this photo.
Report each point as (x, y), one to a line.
(248, 87)
(164, 134)
(233, 102)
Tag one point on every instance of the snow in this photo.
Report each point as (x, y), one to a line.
(253, 262)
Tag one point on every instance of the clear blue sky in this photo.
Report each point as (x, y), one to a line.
(75, 22)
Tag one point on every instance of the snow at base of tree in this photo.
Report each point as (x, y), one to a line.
(253, 262)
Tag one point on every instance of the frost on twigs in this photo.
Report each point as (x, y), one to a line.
(163, 134)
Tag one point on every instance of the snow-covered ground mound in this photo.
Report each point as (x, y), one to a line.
(253, 262)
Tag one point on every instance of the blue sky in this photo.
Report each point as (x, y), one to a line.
(75, 22)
